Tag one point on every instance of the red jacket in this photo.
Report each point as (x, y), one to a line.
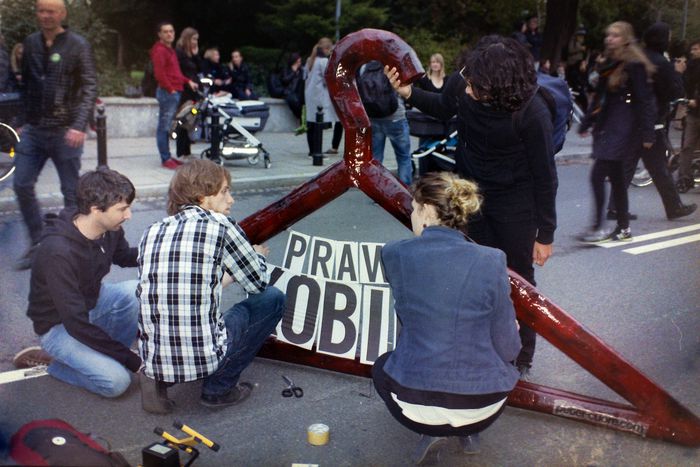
(166, 68)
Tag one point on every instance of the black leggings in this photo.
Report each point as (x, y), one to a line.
(615, 172)
(382, 384)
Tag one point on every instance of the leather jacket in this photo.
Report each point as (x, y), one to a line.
(59, 82)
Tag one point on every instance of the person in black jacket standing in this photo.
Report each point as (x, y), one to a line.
(85, 326)
(513, 164)
(667, 86)
(59, 88)
(187, 50)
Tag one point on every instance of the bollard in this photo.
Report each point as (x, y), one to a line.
(216, 135)
(101, 130)
(317, 142)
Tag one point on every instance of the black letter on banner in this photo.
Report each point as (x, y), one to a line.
(321, 259)
(331, 314)
(374, 311)
(346, 264)
(296, 248)
(372, 268)
(275, 275)
(312, 305)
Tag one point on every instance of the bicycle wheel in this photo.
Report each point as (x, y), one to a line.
(641, 176)
(8, 142)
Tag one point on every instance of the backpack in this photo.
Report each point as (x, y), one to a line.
(377, 95)
(55, 442)
(148, 82)
(555, 92)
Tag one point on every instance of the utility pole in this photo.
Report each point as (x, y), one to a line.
(337, 19)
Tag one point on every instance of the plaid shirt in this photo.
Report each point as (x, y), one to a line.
(182, 261)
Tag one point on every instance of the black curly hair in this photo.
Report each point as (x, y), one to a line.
(501, 73)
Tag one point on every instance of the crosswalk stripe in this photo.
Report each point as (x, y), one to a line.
(661, 245)
(652, 236)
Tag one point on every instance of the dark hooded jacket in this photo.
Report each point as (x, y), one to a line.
(668, 83)
(67, 274)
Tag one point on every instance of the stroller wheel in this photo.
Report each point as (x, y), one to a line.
(252, 160)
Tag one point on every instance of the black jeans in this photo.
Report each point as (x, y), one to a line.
(655, 162)
(382, 384)
(615, 172)
(516, 240)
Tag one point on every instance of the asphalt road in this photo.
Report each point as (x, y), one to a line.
(646, 306)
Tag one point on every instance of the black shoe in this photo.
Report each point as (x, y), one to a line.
(594, 236)
(235, 396)
(612, 215)
(621, 235)
(681, 211)
(25, 262)
(426, 444)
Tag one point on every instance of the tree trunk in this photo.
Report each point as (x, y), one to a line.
(558, 29)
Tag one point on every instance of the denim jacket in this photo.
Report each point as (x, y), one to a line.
(452, 297)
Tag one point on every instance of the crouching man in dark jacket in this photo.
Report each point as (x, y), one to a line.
(87, 327)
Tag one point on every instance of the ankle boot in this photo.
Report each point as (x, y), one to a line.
(154, 395)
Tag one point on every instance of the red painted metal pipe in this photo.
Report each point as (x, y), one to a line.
(654, 412)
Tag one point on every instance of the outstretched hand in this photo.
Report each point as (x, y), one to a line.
(393, 75)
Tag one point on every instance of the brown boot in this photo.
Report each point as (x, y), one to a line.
(154, 395)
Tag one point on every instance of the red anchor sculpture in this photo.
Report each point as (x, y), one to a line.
(654, 413)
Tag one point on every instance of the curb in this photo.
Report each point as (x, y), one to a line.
(8, 204)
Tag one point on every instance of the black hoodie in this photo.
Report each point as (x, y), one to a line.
(67, 273)
(668, 83)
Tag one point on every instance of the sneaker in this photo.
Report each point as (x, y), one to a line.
(332, 151)
(425, 445)
(25, 262)
(594, 236)
(31, 357)
(235, 396)
(681, 211)
(171, 164)
(685, 184)
(300, 131)
(470, 444)
(612, 215)
(621, 235)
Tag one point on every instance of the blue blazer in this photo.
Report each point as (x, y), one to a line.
(452, 297)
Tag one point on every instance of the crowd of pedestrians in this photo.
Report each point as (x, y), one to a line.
(497, 210)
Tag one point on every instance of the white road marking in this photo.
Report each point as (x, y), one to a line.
(661, 245)
(652, 236)
(21, 375)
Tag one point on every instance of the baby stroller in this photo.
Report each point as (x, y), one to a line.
(438, 142)
(228, 125)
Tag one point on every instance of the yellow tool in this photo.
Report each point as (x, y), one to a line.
(165, 454)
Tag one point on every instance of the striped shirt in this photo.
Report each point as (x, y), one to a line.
(182, 261)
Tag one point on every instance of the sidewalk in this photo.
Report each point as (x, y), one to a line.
(137, 158)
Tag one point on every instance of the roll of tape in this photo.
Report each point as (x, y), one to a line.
(318, 434)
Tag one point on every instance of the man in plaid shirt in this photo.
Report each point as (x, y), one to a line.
(184, 262)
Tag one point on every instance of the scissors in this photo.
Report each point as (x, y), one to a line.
(292, 389)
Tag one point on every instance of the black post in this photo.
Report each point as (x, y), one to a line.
(101, 130)
(216, 130)
(317, 142)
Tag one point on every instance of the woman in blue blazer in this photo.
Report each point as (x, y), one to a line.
(452, 369)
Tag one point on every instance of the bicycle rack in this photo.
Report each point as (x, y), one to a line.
(654, 413)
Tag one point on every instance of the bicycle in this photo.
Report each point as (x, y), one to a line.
(8, 142)
(641, 176)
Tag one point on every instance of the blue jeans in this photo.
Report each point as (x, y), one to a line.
(248, 324)
(397, 132)
(167, 107)
(37, 145)
(116, 313)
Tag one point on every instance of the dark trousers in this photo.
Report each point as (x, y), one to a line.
(615, 172)
(37, 145)
(656, 164)
(313, 127)
(382, 384)
(516, 240)
(183, 143)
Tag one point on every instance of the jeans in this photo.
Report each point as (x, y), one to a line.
(397, 132)
(37, 145)
(116, 313)
(167, 107)
(248, 324)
